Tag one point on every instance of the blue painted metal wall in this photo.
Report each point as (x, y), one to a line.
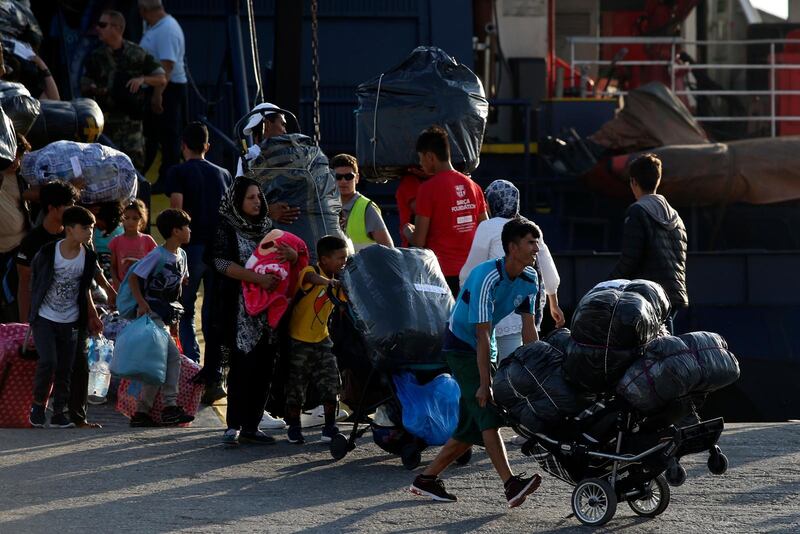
(359, 39)
(752, 299)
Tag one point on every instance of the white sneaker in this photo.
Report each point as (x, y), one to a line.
(271, 423)
(315, 417)
(519, 440)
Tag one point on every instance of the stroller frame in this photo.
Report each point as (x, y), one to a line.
(640, 468)
(341, 444)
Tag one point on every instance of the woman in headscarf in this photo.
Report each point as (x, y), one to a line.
(249, 341)
(502, 198)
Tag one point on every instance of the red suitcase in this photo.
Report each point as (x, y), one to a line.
(189, 393)
(16, 377)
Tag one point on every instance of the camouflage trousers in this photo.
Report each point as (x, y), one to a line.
(128, 136)
(312, 363)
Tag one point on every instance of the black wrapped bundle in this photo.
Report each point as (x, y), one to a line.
(78, 120)
(620, 314)
(292, 169)
(592, 368)
(428, 88)
(400, 302)
(718, 365)
(668, 371)
(530, 385)
(19, 105)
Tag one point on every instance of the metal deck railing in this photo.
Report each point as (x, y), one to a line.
(677, 68)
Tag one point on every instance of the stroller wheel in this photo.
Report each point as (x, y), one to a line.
(339, 446)
(717, 462)
(411, 457)
(675, 473)
(464, 458)
(594, 502)
(654, 501)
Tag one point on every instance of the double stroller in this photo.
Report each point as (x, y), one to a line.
(388, 331)
(610, 406)
(611, 453)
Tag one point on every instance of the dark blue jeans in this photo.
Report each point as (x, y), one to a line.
(56, 345)
(198, 272)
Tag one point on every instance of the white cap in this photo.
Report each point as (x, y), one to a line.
(255, 120)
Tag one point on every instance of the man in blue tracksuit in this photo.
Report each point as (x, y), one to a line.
(493, 290)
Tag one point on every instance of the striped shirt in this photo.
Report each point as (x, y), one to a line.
(488, 295)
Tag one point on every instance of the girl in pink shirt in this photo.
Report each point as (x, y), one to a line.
(133, 245)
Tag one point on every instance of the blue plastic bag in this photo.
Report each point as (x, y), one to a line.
(140, 352)
(430, 411)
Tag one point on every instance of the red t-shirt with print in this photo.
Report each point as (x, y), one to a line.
(453, 203)
(406, 193)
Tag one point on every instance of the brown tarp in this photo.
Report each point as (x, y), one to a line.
(753, 171)
(651, 116)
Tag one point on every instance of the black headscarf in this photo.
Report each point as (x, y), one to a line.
(230, 210)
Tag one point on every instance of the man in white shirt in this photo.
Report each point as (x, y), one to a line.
(163, 39)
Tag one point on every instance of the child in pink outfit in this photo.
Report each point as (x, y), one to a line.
(265, 260)
(133, 245)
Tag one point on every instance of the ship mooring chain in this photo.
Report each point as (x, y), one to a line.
(315, 68)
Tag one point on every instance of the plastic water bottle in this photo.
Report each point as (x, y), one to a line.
(99, 380)
(101, 351)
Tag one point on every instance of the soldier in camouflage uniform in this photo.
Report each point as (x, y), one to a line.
(115, 75)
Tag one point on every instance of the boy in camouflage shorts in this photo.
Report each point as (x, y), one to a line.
(312, 359)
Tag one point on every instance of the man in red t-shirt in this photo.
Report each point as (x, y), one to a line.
(449, 207)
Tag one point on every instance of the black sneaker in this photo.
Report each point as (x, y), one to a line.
(432, 487)
(37, 416)
(60, 420)
(328, 432)
(174, 415)
(519, 487)
(295, 435)
(257, 437)
(141, 419)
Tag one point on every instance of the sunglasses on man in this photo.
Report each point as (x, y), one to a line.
(348, 177)
(102, 24)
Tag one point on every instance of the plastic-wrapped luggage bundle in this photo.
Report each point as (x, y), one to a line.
(429, 87)
(590, 367)
(675, 367)
(620, 313)
(109, 174)
(292, 169)
(17, 21)
(718, 365)
(19, 105)
(8, 140)
(400, 302)
(530, 385)
(78, 120)
(611, 324)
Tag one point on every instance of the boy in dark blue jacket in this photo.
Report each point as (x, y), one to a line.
(60, 305)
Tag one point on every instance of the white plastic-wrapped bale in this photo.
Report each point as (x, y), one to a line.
(109, 174)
